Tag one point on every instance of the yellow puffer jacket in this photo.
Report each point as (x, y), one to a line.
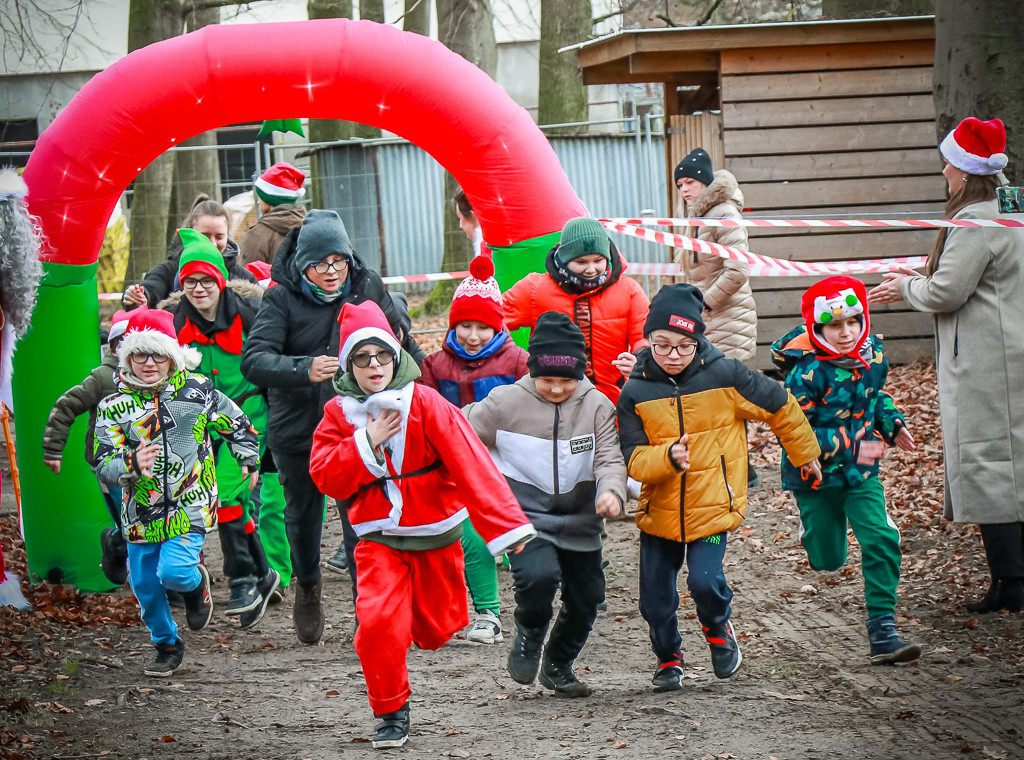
(709, 402)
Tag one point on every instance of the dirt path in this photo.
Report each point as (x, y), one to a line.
(805, 689)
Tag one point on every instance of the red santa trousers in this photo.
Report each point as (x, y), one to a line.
(404, 597)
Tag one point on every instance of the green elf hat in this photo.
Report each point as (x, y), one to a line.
(201, 256)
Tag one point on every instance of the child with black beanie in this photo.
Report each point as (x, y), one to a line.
(681, 416)
(552, 434)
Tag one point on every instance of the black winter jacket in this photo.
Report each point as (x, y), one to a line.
(290, 330)
(161, 280)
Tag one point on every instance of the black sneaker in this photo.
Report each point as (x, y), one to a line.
(887, 648)
(198, 604)
(560, 678)
(393, 729)
(339, 562)
(114, 556)
(168, 659)
(725, 651)
(266, 588)
(175, 599)
(524, 656)
(244, 597)
(668, 676)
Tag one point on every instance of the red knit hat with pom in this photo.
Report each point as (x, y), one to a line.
(478, 297)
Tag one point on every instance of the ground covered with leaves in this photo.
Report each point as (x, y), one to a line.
(71, 683)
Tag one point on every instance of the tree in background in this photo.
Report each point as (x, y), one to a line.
(467, 28)
(562, 96)
(876, 8)
(978, 63)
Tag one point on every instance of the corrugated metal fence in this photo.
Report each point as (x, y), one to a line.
(390, 194)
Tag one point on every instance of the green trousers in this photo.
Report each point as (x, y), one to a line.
(272, 532)
(481, 573)
(824, 515)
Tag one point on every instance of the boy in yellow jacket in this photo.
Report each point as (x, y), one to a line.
(681, 416)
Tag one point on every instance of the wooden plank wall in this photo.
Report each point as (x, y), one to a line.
(832, 130)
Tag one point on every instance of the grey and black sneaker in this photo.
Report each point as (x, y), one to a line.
(266, 587)
(524, 656)
(393, 729)
(168, 659)
(244, 597)
(198, 604)
(339, 562)
(725, 651)
(887, 648)
(559, 677)
(669, 675)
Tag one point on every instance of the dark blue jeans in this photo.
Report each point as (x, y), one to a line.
(660, 563)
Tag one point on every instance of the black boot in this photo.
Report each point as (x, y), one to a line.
(559, 676)
(524, 657)
(1003, 594)
(393, 729)
(198, 604)
(308, 613)
(114, 556)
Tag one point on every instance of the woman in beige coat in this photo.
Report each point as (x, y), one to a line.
(732, 317)
(975, 288)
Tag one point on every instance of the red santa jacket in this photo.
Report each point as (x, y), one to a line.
(449, 474)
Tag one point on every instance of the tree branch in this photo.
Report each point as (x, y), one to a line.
(194, 6)
(666, 19)
(707, 14)
(408, 10)
(624, 8)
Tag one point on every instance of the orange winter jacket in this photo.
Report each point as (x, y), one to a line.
(611, 317)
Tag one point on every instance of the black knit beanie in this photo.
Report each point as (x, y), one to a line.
(557, 348)
(696, 165)
(678, 308)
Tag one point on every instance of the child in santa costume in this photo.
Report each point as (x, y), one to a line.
(153, 440)
(414, 471)
(836, 371)
(478, 355)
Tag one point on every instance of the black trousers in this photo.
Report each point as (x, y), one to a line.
(303, 515)
(537, 572)
(1004, 549)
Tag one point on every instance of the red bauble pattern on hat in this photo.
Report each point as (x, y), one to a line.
(976, 147)
(478, 297)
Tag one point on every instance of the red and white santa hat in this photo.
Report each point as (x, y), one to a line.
(281, 183)
(151, 331)
(834, 298)
(478, 297)
(976, 147)
(362, 322)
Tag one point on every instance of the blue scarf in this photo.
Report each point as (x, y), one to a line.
(489, 349)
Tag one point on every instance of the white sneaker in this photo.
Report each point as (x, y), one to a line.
(486, 629)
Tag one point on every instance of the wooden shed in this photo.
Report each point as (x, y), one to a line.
(824, 118)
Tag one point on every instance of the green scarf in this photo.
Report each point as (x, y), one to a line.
(345, 384)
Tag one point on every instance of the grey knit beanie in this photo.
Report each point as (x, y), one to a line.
(321, 234)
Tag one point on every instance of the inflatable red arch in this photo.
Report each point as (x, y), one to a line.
(161, 95)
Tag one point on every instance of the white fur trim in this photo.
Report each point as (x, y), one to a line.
(428, 529)
(280, 192)
(366, 454)
(11, 183)
(365, 333)
(969, 162)
(150, 341)
(514, 536)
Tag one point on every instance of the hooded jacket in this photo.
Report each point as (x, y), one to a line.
(708, 401)
(261, 241)
(732, 317)
(181, 494)
(162, 280)
(415, 490)
(464, 380)
(290, 330)
(556, 458)
(611, 317)
(76, 401)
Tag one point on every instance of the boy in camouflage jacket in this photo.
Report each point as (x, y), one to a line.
(836, 370)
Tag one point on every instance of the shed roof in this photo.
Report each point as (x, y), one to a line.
(652, 55)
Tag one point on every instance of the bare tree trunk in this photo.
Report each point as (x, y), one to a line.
(467, 28)
(195, 171)
(417, 17)
(876, 8)
(562, 94)
(372, 10)
(978, 63)
(151, 21)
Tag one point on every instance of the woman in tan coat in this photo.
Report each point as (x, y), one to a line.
(731, 317)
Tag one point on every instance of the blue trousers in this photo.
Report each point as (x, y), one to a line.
(660, 562)
(154, 568)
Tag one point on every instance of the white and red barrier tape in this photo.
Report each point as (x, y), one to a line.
(649, 221)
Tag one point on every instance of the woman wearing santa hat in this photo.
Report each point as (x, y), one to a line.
(975, 288)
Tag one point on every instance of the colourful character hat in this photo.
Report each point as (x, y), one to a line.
(831, 299)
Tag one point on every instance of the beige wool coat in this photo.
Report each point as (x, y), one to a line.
(977, 297)
(732, 319)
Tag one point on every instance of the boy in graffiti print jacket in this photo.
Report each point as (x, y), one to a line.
(552, 435)
(153, 439)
